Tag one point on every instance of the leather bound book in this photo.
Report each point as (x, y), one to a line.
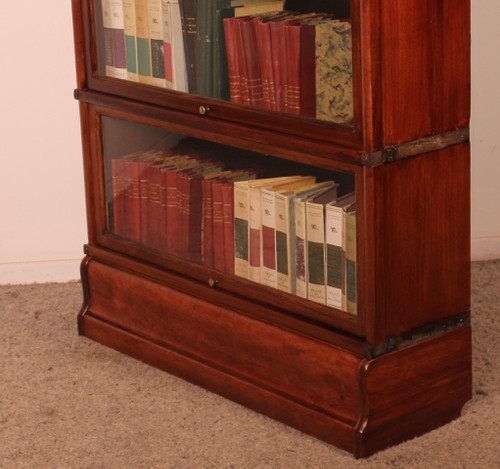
(315, 232)
(233, 63)
(218, 226)
(118, 31)
(188, 9)
(109, 67)
(130, 39)
(334, 65)
(153, 236)
(227, 190)
(252, 63)
(155, 10)
(133, 206)
(207, 233)
(119, 178)
(143, 41)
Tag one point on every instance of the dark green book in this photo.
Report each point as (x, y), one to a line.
(189, 9)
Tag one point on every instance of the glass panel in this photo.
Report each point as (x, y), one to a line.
(292, 56)
(286, 225)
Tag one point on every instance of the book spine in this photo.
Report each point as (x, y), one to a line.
(221, 71)
(218, 227)
(300, 249)
(316, 286)
(155, 13)
(143, 42)
(255, 241)
(292, 64)
(269, 275)
(284, 252)
(193, 208)
(263, 37)
(167, 44)
(130, 39)
(179, 72)
(228, 215)
(251, 59)
(144, 201)
(334, 65)
(119, 53)
(278, 63)
(108, 38)
(119, 177)
(204, 46)
(188, 11)
(172, 227)
(133, 200)
(334, 235)
(241, 230)
(207, 224)
(350, 255)
(233, 64)
(307, 70)
(154, 219)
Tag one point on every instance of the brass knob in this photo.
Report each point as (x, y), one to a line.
(212, 282)
(204, 110)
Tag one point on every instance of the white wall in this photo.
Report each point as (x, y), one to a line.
(485, 130)
(42, 224)
(42, 213)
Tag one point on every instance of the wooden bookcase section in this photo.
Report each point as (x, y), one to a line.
(399, 367)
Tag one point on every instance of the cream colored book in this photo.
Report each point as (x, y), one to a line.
(285, 231)
(269, 272)
(335, 236)
(315, 232)
(130, 39)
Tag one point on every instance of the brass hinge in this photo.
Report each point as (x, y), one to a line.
(420, 334)
(417, 147)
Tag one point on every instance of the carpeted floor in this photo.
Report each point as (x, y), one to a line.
(68, 402)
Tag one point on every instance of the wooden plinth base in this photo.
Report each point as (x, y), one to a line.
(321, 388)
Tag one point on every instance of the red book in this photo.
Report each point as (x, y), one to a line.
(252, 63)
(172, 224)
(233, 62)
(153, 222)
(228, 223)
(207, 250)
(189, 210)
(119, 178)
(278, 64)
(133, 207)
(218, 226)
(300, 87)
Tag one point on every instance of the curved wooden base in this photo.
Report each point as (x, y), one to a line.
(321, 388)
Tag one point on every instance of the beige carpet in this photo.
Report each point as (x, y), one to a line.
(68, 402)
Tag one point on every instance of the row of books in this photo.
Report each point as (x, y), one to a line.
(246, 51)
(143, 42)
(290, 62)
(296, 235)
(290, 233)
(177, 203)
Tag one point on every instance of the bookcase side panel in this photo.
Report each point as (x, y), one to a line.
(425, 68)
(425, 238)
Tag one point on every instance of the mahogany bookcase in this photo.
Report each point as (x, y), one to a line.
(399, 367)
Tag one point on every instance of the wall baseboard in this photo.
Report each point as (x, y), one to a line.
(482, 249)
(485, 248)
(40, 271)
